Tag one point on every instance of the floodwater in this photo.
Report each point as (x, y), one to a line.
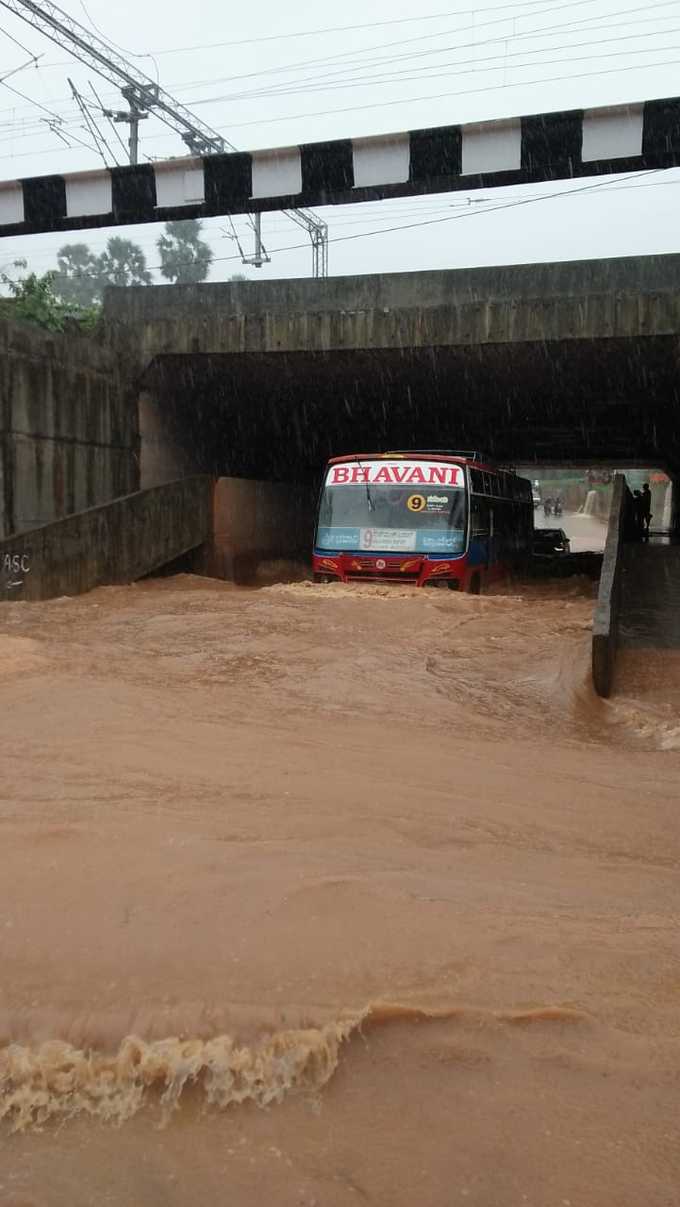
(585, 532)
(317, 896)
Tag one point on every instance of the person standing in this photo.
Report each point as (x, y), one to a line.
(646, 509)
(638, 519)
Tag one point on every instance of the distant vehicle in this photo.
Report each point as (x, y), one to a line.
(551, 542)
(422, 518)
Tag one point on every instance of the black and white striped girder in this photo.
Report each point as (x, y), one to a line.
(543, 147)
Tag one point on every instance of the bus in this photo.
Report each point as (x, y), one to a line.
(424, 518)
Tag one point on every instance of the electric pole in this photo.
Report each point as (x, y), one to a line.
(144, 97)
(132, 117)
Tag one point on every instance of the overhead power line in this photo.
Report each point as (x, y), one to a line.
(437, 96)
(474, 28)
(53, 23)
(22, 123)
(469, 67)
(324, 30)
(15, 70)
(347, 69)
(143, 96)
(467, 92)
(337, 29)
(504, 38)
(476, 65)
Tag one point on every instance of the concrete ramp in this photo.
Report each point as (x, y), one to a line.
(114, 543)
(638, 605)
(649, 616)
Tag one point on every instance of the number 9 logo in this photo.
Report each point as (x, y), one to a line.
(415, 503)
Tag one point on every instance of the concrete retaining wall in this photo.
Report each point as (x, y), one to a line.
(588, 299)
(256, 522)
(68, 428)
(117, 543)
(605, 624)
(162, 456)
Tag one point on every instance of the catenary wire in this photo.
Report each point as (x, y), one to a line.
(333, 29)
(474, 44)
(410, 100)
(505, 84)
(563, 25)
(438, 73)
(475, 26)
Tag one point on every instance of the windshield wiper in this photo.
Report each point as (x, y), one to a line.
(369, 498)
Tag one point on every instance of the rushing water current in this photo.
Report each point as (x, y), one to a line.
(316, 896)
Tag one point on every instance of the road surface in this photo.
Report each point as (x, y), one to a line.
(372, 859)
(585, 532)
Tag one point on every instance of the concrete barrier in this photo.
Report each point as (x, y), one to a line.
(255, 522)
(605, 625)
(117, 542)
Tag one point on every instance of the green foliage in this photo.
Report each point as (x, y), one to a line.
(185, 257)
(34, 300)
(73, 292)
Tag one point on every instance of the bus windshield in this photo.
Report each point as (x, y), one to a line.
(407, 507)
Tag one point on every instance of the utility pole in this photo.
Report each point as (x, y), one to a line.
(143, 97)
(257, 259)
(132, 117)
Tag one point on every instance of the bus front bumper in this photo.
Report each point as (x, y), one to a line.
(417, 570)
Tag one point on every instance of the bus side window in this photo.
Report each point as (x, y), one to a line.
(503, 527)
(477, 481)
(479, 516)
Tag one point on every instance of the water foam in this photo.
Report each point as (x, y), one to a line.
(57, 1081)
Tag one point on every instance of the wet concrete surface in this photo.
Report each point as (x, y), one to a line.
(650, 602)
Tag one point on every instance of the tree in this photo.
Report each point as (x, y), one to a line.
(35, 301)
(185, 257)
(82, 277)
(122, 263)
(78, 277)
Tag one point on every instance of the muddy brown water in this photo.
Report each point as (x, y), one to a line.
(318, 896)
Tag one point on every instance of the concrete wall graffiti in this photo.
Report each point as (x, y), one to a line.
(13, 570)
(116, 543)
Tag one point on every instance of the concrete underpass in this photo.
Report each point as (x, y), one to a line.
(281, 415)
(259, 383)
(551, 364)
(560, 363)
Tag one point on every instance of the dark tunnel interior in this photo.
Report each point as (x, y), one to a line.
(279, 416)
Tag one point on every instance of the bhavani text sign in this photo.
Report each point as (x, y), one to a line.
(396, 473)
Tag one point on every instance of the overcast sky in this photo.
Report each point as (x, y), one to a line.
(276, 75)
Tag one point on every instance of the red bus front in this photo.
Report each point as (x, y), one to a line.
(395, 519)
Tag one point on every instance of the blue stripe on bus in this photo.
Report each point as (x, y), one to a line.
(430, 557)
